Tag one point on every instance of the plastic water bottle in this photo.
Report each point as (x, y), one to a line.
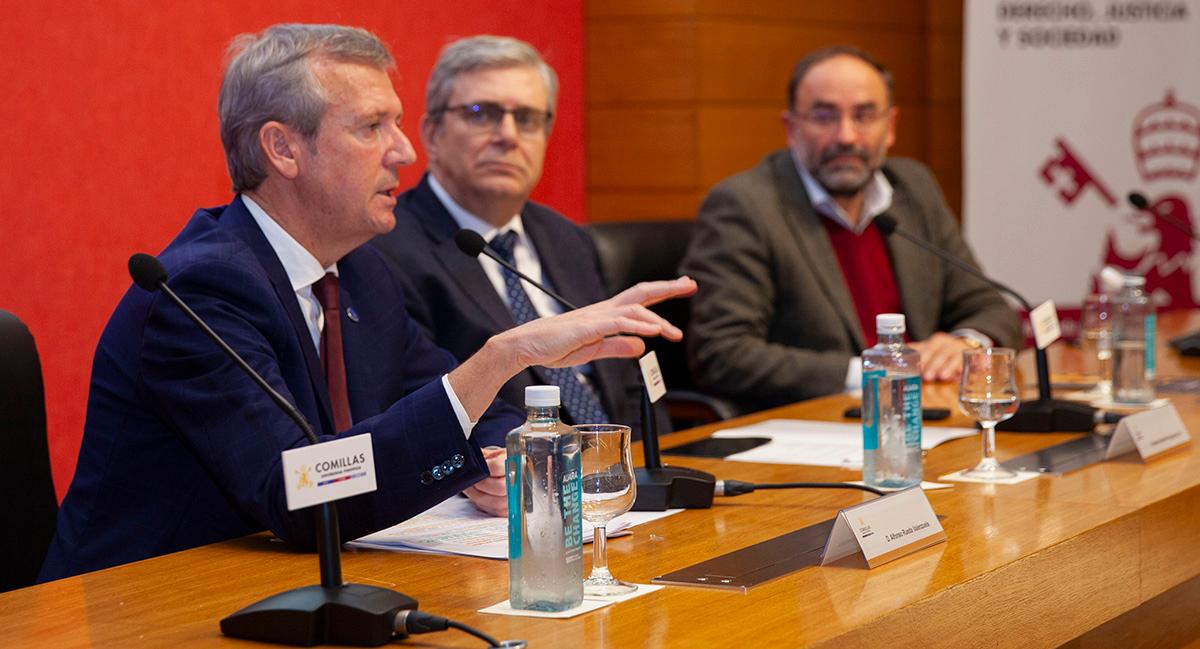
(1134, 324)
(544, 483)
(891, 412)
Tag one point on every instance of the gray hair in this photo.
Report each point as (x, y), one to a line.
(483, 52)
(824, 54)
(269, 77)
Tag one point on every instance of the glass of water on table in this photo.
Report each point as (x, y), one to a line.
(609, 490)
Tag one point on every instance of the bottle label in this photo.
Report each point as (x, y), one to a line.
(572, 506)
(870, 408)
(912, 411)
(512, 485)
(1151, 325)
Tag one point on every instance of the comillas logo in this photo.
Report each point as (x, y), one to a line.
(304, 477)
(325, 466)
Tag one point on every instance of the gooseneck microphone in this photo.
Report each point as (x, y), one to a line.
(1187, 344)
(659, 487)
(472, 244)
(1139, 201)
(334, 612)
(1043, 415)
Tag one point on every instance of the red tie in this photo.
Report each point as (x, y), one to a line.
(332, 359)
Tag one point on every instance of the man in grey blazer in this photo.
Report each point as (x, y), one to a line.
(792, 269)
(489, 104)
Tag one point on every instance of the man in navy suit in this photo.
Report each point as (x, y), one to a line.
(181, 448)
(489, 110)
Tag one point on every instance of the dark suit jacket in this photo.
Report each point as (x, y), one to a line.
(450, 295)
(181, 448)
(773, 321)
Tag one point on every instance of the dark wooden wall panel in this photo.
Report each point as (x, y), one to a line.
(684, 93)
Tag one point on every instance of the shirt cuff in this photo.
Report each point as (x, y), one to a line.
(459, 411)
(972, 334)
(854, 375)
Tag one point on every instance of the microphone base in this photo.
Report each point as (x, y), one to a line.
(1050, 416)
(672, 487)
(354, 615)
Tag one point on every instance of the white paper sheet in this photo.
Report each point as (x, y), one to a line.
(820, 443)
(457, 527)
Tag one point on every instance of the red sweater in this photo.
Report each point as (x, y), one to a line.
(867, 269)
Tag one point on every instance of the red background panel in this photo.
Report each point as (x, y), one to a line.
(109, 132)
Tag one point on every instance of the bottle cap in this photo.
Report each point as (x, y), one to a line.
(1111, 279)
(541, 396)
(1135, 280)
(889, 323)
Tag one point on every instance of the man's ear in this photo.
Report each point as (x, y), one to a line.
(280, 146)
(429, 129)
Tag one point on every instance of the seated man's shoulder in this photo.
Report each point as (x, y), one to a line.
(541, 216)
(909, 171)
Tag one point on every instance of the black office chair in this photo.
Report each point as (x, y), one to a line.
(28, 506)
(638, 251)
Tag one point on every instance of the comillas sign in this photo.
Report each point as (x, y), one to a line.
(329, 471)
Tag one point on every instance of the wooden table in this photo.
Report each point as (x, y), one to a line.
(1099, 557)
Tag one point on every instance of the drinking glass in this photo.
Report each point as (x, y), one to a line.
(608, 491)
(1095, 339)
(989, 395)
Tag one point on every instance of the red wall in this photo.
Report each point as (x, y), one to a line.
(109, 141)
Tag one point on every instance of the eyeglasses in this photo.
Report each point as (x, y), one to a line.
(487, 115)
(827, 118)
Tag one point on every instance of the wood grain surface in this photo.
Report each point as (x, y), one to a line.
(1103, 557)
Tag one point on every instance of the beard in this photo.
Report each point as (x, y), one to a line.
(842, 178)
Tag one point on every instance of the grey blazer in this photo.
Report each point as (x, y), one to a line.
(773, 321)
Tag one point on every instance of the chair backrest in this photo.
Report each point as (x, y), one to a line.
(28, 506)
(638, 251)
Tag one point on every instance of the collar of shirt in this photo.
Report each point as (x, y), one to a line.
(302, 268)
(524, 255)
(877, 200)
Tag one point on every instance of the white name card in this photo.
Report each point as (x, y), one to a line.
(1044, 319)
(884, 529)
(652, 376)
(1150, 432)
(328, 471)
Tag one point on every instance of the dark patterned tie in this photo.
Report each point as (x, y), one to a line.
(333, 361)
(578, 398)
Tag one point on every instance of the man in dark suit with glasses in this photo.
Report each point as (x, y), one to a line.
(489, 112)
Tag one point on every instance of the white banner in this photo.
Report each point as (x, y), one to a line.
(1069, 107)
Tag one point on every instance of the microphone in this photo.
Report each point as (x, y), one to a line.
(472, 243)
(1043, 415)
(659, 487)
(334, 612)
(1187, 344)
(1139, 201)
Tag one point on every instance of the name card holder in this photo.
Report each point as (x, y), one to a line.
(320, 473)
(884, 529)
(1150, 432)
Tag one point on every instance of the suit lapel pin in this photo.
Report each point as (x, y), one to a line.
(352, 314)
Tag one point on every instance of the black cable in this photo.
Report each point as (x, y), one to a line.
(737, 487)
(412, 622)
(475, 632)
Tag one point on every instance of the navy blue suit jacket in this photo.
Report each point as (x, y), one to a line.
(453, 299)
(181, 448)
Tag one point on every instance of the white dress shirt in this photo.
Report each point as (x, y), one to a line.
(525, 258)
(303, 270)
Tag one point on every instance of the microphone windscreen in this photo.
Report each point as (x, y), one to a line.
(1138, 200)
(146, 271)
(470, 242)
(886, 223)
